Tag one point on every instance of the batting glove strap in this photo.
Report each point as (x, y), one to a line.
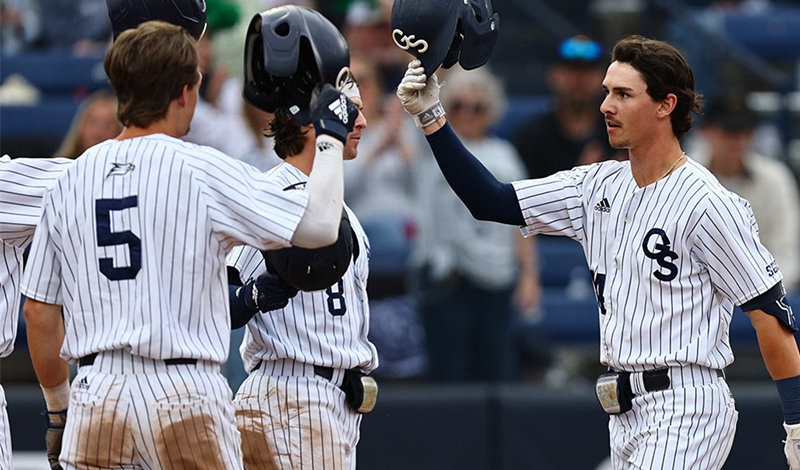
(56, 419)
(248, 295)
(791, 446)
(430, 115)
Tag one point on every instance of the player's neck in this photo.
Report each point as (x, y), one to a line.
(652, 164)
(159, 127)
(304, 160)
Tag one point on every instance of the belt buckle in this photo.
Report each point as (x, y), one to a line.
(607, 390)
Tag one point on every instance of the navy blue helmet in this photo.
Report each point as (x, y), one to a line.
(128, 14)
(288, 51)
(445, 32)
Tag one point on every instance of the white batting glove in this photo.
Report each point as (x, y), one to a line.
(420, 95)
(791, 447)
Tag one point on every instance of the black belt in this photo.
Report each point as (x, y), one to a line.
(322, 371)
(89, 360)
(655, 379)
(658, 379)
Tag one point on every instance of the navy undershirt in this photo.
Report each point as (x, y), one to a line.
(485, 197)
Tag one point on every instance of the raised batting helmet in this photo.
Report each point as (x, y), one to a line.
(314, 269)
(288, 51)
(443, 32)
(128, 14)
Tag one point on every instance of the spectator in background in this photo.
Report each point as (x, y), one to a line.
(767, 183)
(81, 27)
(19, 25)
(380, 184)
(218, 119)
(256, 148)
(475, 275)
(367, 27)
(95, 121)
(573, 132)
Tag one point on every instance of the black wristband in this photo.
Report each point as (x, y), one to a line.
(246, 294)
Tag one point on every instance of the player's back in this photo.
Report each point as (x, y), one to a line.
(141, 227)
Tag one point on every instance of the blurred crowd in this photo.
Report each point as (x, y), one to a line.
(449, 293)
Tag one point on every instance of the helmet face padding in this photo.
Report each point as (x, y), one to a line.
(445, 32)
(288, 51)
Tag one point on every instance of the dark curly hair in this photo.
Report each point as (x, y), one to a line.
(288, 134)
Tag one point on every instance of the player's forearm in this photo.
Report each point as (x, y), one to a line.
(777, 344)
(320, 223)
(45, 329)
(485, 196)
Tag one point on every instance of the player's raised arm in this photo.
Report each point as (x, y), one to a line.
(427, 30)
(485, 196)
(333, 116)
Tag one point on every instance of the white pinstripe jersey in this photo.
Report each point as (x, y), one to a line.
(23, 182)
(669, 260)
(324, 328)
(133, 240)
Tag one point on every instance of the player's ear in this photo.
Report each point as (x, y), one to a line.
(183, 98)
(666, 105)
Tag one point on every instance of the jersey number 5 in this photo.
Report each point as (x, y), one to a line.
(105, 237)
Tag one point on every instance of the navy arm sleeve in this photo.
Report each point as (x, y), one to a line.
(485, 196)
(241, 313)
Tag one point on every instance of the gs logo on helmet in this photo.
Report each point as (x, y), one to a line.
(441, 33)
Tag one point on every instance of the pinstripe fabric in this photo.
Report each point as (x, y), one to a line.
(669, 262)
(290, 418)
(184, 206)
(681, 428)
(23, 182)
(133, 412)
(325, 328)
(5, 432)
(132, 243)
(666, 299)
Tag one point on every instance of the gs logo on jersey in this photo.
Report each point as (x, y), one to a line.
(661, 252)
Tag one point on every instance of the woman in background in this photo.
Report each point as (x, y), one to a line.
(95, 121)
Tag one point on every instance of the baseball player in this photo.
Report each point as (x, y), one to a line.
(23, 182)
(126, 275)
(670, 250)
(301, 404)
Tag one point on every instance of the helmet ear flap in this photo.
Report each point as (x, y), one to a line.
(480, 27)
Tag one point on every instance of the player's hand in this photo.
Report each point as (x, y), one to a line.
(332, 112)
(791, 447)
(272, 292)
(52, 438)
(420, 94)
